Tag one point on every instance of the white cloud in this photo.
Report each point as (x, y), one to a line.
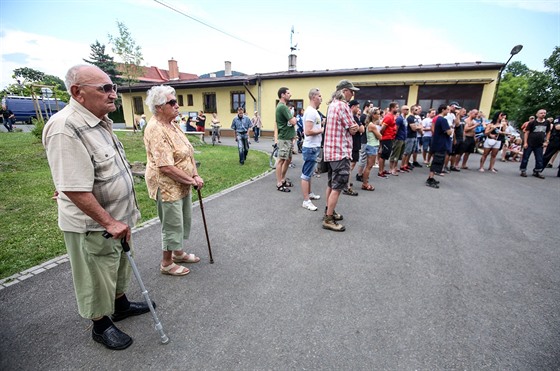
(543, 6)
(43, 53)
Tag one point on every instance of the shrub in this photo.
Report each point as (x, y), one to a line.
(37, 131)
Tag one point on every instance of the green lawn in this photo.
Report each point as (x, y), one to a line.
(28, 215)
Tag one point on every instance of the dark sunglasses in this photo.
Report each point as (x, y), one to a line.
(106, 88)
(172, 102)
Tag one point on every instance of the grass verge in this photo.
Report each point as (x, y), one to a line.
(28, 215)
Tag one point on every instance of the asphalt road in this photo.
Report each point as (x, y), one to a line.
(465, 277)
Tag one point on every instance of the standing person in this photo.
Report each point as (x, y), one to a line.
(398, 143)
(388, 134)
(413, 124)
(440, 144)
(95, 193)
(241, 125)
(299, 129)
(356, 145)
(363, 140)
(492, 144)
(9, 118)
(458, 140)
(419, 133)
(536, 136)
(373, 124)
(215, 123)
(170, 174)
(256, 125)
(553, 144)
(311, 146)
(284, 133)
(338, 150)
(453, 121)
(427, 137)
(201, 122)
(469, 143)
(142, 122)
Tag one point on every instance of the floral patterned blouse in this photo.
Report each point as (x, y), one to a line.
(167, 146)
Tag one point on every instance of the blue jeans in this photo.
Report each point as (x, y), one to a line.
(242, 146)
(309, 155)
(256, 133)
(539, 164)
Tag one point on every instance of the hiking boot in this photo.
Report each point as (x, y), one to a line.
(330, 223)
(336, 215)
(431, 182)
(309, 205)
(349, 192)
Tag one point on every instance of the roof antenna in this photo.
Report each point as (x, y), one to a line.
(293, 47)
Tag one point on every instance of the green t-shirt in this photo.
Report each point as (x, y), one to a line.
(283, 115)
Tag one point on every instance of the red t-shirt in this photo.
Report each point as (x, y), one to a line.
(390, 131)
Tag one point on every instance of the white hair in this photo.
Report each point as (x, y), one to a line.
(157, 96)
(71, 77)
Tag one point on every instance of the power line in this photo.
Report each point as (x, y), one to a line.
(212, 27)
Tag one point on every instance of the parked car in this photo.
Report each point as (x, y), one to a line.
(24, 107)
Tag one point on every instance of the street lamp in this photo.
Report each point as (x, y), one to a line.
(515, 50)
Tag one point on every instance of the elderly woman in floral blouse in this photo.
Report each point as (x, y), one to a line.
(170, 175)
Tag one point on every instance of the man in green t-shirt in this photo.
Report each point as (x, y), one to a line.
(284, 133)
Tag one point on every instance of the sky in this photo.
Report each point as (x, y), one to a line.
(256, 35)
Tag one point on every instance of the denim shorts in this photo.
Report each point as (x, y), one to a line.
(426, 142)
(371, 150)
(309, 161)
(409, 145)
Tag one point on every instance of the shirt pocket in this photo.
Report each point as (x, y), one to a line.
(104, 162)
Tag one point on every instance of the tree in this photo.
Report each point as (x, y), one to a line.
(131, 57)
(104, 61)
(27, 75)
(517, 69)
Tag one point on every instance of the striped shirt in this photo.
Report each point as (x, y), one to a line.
(85, 156)
(338, 140)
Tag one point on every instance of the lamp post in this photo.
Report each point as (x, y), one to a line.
(516, 49)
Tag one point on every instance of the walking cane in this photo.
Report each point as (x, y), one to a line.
(205, 227)
(126, 248)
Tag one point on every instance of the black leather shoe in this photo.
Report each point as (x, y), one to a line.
(112, 338)
(135, 309)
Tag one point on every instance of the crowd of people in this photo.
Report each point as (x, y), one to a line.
(391, 140)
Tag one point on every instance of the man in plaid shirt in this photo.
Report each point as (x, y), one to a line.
(337, 149)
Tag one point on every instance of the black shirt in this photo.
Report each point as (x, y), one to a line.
(537, 133)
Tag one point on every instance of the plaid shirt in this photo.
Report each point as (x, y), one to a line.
(338, 140)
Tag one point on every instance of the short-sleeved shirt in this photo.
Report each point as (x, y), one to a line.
(241, 125)
(440, 138)
(338, 140)
(312, 141)
(283, 115)
(167, 146)
(427, 124)
(537, 133)
(401, 128)
(85, 156)
(390, 131)
(411, 119)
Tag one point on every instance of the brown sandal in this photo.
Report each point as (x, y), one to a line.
(368, 187)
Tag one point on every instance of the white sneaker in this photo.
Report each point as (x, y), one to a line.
(309, 205)
(376, 166)
(313, 196)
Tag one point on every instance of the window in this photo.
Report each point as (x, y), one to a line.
(138, 105)
(296, 103)
(237, 100)
(180, 99)
(467, 95)
(209, 102)
(381, 96)
(190, 100)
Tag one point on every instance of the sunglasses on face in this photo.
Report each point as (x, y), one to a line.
(106, 88)
(172, 102)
